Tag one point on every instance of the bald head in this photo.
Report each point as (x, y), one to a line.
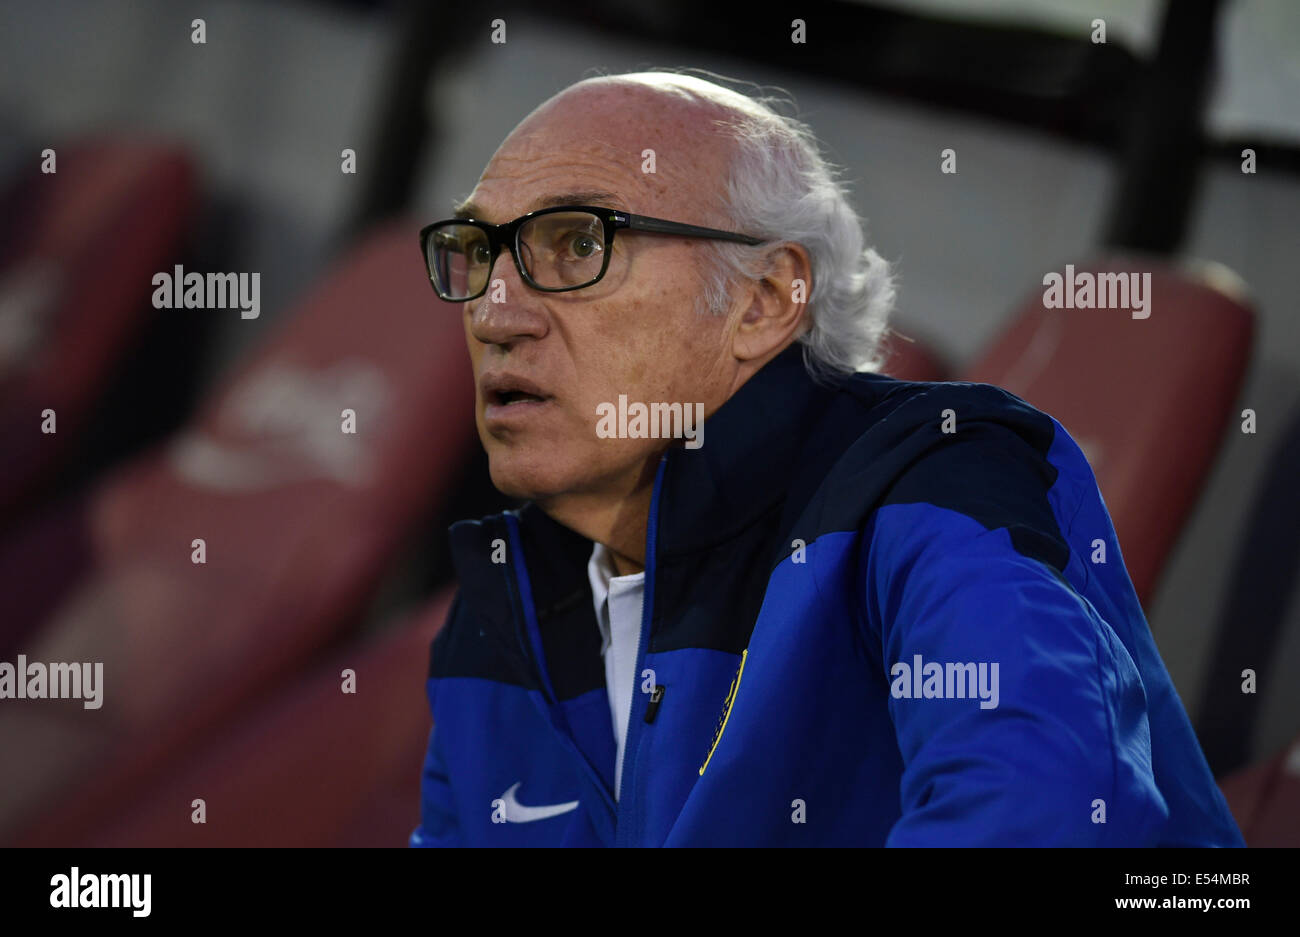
(605, 126)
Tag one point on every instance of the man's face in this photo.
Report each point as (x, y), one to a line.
(636, 332)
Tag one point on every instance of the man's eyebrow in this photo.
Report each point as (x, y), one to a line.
(467, 210)
(602, 199)
(590, 197)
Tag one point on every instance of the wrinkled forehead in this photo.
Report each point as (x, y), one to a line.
(656, 153)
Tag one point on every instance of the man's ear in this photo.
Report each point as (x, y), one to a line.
(776, 305)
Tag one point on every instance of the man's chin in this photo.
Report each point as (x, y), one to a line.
(529, 479)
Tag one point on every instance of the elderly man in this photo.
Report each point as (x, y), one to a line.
(854, 611)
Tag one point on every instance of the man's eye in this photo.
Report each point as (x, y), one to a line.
(479, 254)
(583, 246)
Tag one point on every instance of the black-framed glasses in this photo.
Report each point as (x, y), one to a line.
(555, 249)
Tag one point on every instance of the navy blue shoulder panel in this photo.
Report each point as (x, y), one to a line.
(557, 559)
(480, 638)
(465, 648)
(993, 466)
(439, 647)
(483, 636)
(995, 477)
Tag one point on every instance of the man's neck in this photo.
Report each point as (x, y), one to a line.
(619, 522)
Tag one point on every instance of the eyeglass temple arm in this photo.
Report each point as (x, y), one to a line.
(657, 226)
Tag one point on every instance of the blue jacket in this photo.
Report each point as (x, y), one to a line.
(867, 621)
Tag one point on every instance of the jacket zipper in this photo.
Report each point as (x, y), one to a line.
(626, 834)
(549, 705)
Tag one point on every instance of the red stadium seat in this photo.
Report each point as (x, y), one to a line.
(1147, 399)
(910, 359)
(78, 249)
(1265, 799)
(298, 521)
(314, 767)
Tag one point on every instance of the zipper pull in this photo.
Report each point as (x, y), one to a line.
(652, 708)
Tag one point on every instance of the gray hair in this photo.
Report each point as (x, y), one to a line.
(781, 188)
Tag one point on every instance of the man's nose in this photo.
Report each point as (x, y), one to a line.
(509, 311)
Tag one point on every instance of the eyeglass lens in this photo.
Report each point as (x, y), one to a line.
(560, 250)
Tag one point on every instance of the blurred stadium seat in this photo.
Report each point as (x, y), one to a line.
(1265, 799)
(1250, 633)
(78, 248)
(313, 767)
(299, 520)
(1148, 400)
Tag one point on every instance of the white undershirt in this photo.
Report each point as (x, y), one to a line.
(618, 615)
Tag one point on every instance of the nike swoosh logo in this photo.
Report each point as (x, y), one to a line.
(515, 812)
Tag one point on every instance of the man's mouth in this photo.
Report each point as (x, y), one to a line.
(506, 398)
(509, 395)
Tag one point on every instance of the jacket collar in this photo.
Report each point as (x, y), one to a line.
(752, 447)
